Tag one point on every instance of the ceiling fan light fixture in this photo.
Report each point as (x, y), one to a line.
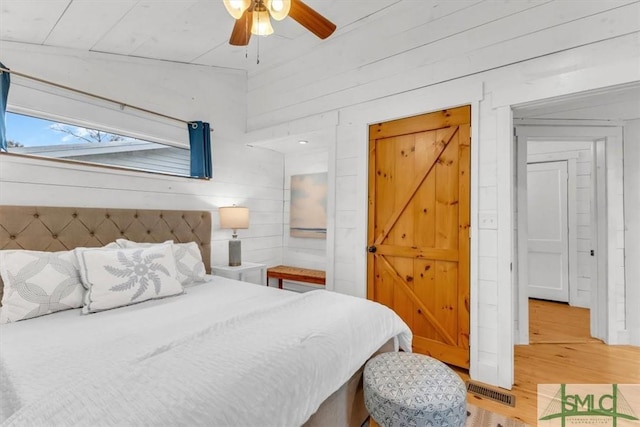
(236, 7)
(261, 25)
(254, 17)
(279, 9)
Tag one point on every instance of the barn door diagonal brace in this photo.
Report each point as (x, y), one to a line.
(416, 300)
(441, 145)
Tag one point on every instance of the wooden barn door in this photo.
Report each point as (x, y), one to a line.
(418, 235)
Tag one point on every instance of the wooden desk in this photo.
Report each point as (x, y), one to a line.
(295, 274)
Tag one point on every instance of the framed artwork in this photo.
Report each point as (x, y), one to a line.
(308, 215)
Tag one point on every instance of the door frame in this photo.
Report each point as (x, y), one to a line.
(503, 99)
(608, 156)
(354, 124)
(534, 132)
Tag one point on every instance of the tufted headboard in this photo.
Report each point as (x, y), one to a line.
(63, 228)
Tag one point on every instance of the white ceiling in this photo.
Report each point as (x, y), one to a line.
(187, 31)
(318, 140)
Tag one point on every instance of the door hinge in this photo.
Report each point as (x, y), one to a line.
(510, 266)
(593, 253)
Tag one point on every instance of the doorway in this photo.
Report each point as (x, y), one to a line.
(560, 218)
(563, 249)
(553, 220)
(600, 115)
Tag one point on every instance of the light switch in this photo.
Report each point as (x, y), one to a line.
(488, 220)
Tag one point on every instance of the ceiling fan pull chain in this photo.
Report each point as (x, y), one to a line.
(258, 46)
(246, 51)
(246, 31)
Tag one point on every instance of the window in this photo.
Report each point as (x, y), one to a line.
(45, 138)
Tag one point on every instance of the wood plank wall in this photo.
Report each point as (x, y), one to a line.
(632, 223)
(539, 49)
(242, 175)
(448, 40)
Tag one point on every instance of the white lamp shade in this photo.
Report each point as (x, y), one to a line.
(236, 7)
(279, 9)
(234, 217)
(261, 25)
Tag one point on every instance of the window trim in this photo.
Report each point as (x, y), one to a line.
(61, 119)
(99, 165)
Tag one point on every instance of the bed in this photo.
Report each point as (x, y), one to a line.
(221, 352)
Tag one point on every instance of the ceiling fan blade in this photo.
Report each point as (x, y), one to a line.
(311, 20)
(241, 33)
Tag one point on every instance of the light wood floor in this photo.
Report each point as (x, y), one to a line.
(556, 322)
(584, 362)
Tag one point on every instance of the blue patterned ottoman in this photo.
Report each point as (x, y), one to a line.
(408, 389)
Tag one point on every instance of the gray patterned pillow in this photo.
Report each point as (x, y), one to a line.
(188, 259)
(119, 277)
(189, 262)
(38, 283)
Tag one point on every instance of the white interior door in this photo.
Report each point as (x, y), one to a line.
(548, 248)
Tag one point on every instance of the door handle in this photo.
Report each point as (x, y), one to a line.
(372, 249)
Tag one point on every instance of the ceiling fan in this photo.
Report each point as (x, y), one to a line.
(253, 17)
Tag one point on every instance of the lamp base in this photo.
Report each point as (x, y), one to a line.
(235, 253)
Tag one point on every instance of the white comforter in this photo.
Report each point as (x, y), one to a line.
(226, 353)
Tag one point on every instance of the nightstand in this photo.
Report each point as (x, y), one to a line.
(239, 272)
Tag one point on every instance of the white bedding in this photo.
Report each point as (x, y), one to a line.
(225, 353)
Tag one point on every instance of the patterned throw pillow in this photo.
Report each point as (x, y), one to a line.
(188, 259)
(38, 283)
(119, 277)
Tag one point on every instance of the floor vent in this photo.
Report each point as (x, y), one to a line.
(498, 396)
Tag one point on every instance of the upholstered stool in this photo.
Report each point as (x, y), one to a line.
(408, 389)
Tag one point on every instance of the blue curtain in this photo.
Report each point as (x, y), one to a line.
(5, 80)
(200, 144)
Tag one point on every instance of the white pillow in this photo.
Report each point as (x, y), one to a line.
(187, 255)
(38, 283)
(124, 243)
(119, 277)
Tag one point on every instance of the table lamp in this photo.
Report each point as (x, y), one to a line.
(234, 218)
